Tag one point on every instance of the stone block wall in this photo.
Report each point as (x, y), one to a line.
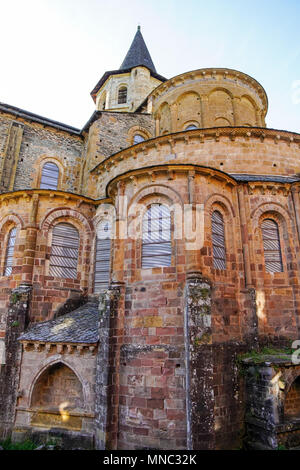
(208, 98)
(34, 215)
(22, 160)
(109, 134)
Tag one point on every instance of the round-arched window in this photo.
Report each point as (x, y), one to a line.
(156, 243)
(102, 257)
(138, 138)
(64, 251)
(50, 175)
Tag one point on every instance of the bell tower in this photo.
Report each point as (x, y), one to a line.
(125, 89)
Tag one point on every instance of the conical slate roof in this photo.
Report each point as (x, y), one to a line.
(138, 54)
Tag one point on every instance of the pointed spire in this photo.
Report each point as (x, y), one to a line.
(138, 54)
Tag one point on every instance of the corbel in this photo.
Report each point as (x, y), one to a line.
(251, 188)
(277, 139)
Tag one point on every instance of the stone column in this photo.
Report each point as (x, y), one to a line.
(174, 118)
(236, 111)
(120, 234)
(244, 234)
(296, 204)
(205, 111)
(199, 363)
(111, 328)
(30, 243)
(9, 373)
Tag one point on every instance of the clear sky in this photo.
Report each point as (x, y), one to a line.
(53, 52)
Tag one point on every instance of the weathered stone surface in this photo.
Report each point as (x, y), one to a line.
(17, 318)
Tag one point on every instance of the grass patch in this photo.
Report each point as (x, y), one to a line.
(258, 356)
(25, 445)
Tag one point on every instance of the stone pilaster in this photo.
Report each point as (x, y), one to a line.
(9, 375)
(111, 307)
(199, 359)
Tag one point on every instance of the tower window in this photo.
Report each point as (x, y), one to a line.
(64, 251)
(10, 252)
(102, 260)
(122, 95)
(156, 245)
(138, 138)
(218, 240)
(191, 127)
(272, 249)
(50, 174)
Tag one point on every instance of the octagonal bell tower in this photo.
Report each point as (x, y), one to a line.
(125, 89)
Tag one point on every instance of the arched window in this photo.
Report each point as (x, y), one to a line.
(10, 252)
(102, 259)
(64, 251)
(191, 127)
(138, 138)
(272, 250)
(50, 174)
(156, 245)
(218, 240)
(122, 95)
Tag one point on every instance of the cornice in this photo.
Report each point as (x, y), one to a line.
(151, 171)
(29, 193)
(259, 133)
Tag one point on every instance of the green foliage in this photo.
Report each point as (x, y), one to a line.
(14, 298)
(282, 447)
(258, 356)
(15, 323)
(25, 445)
(204, 293)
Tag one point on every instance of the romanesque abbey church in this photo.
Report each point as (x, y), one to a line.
(150, 267)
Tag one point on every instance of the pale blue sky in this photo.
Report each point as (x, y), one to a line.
(53, 52)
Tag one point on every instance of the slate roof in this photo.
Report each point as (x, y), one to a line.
(138, 54)
(266, 178)
(79, 326)
(23, 114)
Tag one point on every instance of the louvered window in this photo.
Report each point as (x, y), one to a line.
(102, 261)
(138, 138)
(49, 179)
(272, 250)
(191, 127)
(64, 251)
(218, 240)
(156, 247)
(10, 252)
(122, 95)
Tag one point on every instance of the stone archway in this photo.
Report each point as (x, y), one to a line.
(57, 398)
(292, 401)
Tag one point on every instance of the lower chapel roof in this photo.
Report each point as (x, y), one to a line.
(79, 326)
